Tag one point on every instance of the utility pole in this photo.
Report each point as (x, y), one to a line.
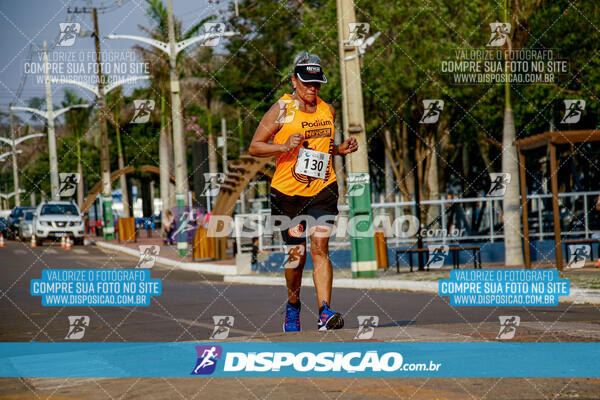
(108, 229)
(14, 158)
(181, 175)
(359, 187)
(224, 139)
(51, 134)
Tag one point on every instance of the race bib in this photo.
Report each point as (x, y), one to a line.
(312, 163)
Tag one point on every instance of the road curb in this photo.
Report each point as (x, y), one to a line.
(216, 269)
(384, 284)
(577, 296)
(582, 296)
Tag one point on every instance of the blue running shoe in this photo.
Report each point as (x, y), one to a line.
(292, 319)
(329, 319)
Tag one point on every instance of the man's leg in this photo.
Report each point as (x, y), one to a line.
(293, 271)
(322, 270)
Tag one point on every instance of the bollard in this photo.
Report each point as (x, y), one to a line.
(381, 249)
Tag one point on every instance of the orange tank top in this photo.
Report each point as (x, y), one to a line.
(317, 134)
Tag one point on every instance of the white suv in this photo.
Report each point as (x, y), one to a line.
(52, 219)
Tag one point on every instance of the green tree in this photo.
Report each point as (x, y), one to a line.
(77, 124)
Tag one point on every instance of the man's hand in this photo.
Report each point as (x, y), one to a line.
(293, 142)
(350, 145)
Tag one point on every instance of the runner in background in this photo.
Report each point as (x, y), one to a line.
(299, 130)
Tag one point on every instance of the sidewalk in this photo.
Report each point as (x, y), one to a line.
(168, 254)
(584, 282)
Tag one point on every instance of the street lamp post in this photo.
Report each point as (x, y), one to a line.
(101, 91)
(173, 48)
(7, 196)
(11, 194)
(50, 115)
(13, 142)
(4, 156)
(181, 182)
(14, 158)
(51, 134)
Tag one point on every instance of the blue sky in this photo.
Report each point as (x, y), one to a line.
(33, 21)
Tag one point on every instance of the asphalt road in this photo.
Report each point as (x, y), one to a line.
(189, 300)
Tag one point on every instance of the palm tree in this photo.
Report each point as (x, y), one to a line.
(77, 122)
(114, 103)
(513, 247)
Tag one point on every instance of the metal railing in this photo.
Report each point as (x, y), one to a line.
(477, 219)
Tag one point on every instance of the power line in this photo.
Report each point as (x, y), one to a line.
(24, 77)
(101, 10)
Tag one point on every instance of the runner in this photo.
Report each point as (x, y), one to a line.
(301, 127)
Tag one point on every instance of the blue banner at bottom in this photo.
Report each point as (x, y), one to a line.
(293, 359)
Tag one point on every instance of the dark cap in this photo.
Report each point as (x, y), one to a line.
(307, 67)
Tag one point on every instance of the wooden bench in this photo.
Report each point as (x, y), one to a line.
(410, 253)
(456, 253)
(582, 241)
(455, 256)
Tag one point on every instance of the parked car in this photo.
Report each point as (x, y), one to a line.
(26, 225)
(14, 219)
(53, 219)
